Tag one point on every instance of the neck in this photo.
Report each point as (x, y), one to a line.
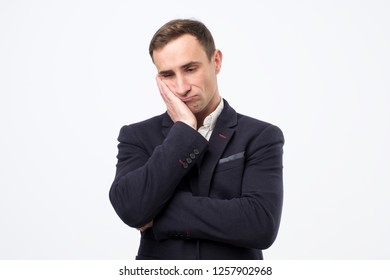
(211, 108)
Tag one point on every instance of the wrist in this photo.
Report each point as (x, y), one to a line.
(191, 124)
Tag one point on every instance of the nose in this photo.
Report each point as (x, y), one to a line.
(182, 86)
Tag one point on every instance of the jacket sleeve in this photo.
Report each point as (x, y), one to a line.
(146, 180)
(250, 220)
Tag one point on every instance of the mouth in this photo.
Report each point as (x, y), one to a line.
(188, 99)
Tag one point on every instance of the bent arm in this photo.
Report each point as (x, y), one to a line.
(251, 220)
(146, 180)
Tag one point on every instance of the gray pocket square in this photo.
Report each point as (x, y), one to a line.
(232, 157)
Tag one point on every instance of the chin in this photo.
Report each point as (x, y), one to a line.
(194, 109)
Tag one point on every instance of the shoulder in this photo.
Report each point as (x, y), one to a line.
(258, 129)
(253, 123)
(250, 127)
(147, 124)
(145, 127)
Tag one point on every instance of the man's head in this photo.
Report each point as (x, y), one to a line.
(178, 27)
(187, 63)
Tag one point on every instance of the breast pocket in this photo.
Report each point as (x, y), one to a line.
(226, 183)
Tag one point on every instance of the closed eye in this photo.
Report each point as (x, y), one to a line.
(190, 69)
(166, 74)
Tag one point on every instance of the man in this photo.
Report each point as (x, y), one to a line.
(199, 181)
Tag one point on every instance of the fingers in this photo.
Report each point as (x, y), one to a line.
(177, 109)
(145, 227)
(170, 99)
(163, 88)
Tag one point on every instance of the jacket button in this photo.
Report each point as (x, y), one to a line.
(192, 156)
(185, 164)
(188, 160)
(196, 151)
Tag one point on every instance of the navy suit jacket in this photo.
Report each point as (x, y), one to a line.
(216, 199)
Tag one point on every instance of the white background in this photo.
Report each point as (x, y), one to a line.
(73, 72)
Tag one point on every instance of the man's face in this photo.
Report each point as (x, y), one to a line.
(185, 68)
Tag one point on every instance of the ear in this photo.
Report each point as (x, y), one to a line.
(217, 59)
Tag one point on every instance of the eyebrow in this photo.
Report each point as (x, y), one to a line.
(189, 64)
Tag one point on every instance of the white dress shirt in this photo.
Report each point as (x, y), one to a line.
(209, 122)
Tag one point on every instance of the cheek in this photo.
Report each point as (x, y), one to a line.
(201, 81)
(209, 84)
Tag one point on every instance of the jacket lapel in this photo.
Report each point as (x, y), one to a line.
(221, 136)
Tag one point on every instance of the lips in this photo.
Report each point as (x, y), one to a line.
(188, 99)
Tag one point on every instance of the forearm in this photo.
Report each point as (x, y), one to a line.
(143, 183)
(245, 222)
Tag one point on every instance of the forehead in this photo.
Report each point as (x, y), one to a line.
(179, 52)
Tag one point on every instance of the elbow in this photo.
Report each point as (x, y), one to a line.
(128, 210)
(265, 232)
(265, 238)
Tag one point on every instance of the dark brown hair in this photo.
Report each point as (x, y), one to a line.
(178, 27)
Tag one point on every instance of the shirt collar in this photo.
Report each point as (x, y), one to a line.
(210, 121)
